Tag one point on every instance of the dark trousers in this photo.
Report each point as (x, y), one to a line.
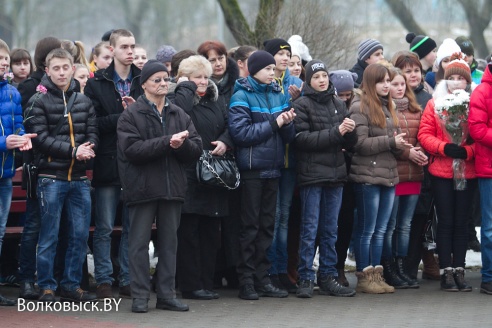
(452, 209)
(167, 215)
(198, 242)
(345, 224)
(258, 204)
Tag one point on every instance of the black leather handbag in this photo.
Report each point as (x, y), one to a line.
(218, 171)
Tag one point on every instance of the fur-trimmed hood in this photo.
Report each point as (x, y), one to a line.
(212, 93)
(442, 89)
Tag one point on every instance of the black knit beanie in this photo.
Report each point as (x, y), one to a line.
(466, 45)
(258, 61)
(275, 45)
(420, 44)
(312, 67)
(150, 68)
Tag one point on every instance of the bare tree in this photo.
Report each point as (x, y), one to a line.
(327, 38)
(265, 24)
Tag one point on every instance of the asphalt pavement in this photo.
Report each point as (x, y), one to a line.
(424, 307)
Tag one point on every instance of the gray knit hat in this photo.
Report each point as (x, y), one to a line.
(165, 53)
(367, 47)
(343, 80)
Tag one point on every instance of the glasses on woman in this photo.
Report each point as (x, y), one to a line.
(159, 80)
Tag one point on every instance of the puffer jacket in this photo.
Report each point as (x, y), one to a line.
(150, 169)
(409, 123)
(252, 122)
(480, 124)
(10, 123)
(210, 119)
(433, 139)
(42, 115)
(107, 103)
(318, 141)
(374, 160)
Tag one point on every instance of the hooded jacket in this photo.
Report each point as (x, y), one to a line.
(10, 123)
(150, 169)
(252, 122)
(107, 103)
(480, 124)
(42, 115)
(318, 141)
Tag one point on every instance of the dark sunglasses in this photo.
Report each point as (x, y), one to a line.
(158, 80)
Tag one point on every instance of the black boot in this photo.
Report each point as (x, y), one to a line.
(447, 281)
(391, 276)
(400, 269)
(459, 278)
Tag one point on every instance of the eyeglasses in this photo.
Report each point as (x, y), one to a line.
(159, 80)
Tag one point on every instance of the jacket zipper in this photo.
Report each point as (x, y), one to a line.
(72, 143)
(275, 135)
(4, 158)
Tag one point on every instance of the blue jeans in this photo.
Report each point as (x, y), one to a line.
(397, 236)
(374, 206)
(107, 199)
(277, 253)
(485, 186)
(29, 242)
(5, 200)
(53, 196)
(320, 207)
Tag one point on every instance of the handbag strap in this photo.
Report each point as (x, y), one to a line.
(217, 176)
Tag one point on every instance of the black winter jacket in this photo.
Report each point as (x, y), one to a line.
(318, 141)
(150, 169)
(210, 120)
(107, 104)
(359, 68)
(43, 111)
(226, 85)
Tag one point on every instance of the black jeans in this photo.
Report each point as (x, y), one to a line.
(452, 208)
(258, 204)
(345, 224)
(198, 242)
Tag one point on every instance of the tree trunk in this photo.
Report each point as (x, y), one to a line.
(265, 23)
(404, 15)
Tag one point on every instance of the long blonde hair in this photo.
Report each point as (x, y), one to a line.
(371, 104)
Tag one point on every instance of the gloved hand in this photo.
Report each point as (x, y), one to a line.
(455, 151)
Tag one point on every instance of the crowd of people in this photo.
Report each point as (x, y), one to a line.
(363, 160)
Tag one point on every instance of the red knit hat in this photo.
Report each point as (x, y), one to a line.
(458, 66)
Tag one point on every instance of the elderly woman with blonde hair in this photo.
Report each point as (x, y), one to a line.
(199, 231)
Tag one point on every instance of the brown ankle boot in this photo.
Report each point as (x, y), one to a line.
(379, 279)
(366, 283)
(431, 268)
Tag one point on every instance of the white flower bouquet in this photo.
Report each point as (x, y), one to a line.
(452, 111)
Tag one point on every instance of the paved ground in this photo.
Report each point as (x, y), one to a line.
(425, 307)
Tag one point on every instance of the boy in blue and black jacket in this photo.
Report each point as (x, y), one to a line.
(260, 123)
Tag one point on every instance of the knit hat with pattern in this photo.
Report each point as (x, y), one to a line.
(367, 47)
(458, 66)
